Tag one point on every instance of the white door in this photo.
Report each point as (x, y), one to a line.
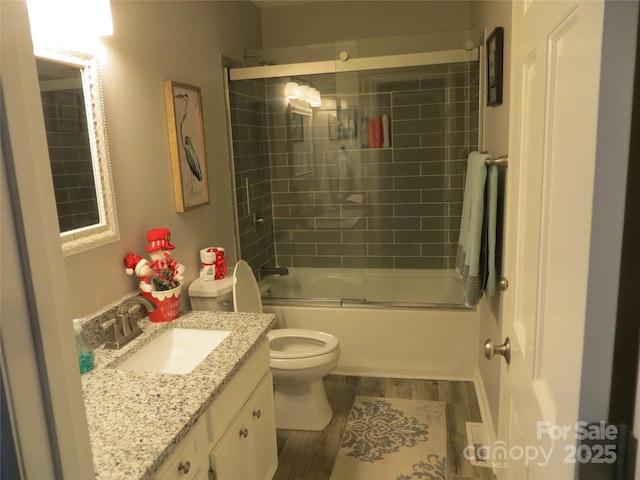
(555, 66)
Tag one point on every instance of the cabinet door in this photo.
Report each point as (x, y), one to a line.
(230, 457)
(262, 431)
(189, 460)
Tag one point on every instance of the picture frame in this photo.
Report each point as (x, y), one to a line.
(296, 127)
(186, 144)
(495, 51)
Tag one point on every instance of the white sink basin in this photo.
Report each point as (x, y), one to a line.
(178, 350)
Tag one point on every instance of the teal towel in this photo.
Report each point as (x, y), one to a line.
(469, 263)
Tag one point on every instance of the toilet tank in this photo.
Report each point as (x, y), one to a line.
(212, 295)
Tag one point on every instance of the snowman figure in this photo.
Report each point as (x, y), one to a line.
(163, 272)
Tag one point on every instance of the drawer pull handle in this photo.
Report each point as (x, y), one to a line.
(257, 413)
(184, 467)
(244, 433)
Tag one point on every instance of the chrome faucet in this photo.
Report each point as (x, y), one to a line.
(264, 271)
(125, 325)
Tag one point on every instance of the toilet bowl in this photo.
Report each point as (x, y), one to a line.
(300, 358)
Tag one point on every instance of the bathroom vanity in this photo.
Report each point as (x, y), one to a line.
(217, 418)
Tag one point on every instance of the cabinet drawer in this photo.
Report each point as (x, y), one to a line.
(235, 394)
(189, 460)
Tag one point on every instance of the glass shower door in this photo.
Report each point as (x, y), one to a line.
(351, 196)
(367, 187)
(404, 136)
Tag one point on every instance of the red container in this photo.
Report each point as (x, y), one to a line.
(167, 304)
(221, 263)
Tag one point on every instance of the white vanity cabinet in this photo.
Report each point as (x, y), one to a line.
(189, 461)
(247, 450)
(241, 423)
(236, 438)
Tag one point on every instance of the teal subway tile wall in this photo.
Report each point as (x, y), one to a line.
(327, 198)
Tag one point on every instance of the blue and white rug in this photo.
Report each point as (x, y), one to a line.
(393, 439)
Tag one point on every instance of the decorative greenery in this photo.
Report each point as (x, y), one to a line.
(163, 280)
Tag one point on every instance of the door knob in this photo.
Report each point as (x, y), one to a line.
(184, 467)
(505, 350)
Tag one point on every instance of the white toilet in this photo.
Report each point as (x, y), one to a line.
(300, 358)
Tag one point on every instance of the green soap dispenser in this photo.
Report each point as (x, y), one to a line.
(85, 353)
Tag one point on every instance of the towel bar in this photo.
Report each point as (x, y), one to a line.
(501, 161)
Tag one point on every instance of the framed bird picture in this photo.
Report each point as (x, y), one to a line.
(186, 142)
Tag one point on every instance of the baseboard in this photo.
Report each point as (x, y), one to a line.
(489, 436)
(476, 448)
(388, 374)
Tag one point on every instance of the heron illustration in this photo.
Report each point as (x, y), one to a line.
(187, 144)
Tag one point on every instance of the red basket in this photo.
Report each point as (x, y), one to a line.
(167, 304)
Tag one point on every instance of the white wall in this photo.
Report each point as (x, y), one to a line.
(39, 362)
(309, 23)
(154, 41)
(612, 157)
(487, 15)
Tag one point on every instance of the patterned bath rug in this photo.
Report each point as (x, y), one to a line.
(393, 439)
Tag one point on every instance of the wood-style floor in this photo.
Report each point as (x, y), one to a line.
(310, 455)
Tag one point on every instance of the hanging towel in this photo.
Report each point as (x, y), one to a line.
(491, 209)
(469, 258)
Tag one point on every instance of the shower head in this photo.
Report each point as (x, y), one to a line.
(261, 62)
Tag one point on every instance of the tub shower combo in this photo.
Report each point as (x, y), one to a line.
(348, 165)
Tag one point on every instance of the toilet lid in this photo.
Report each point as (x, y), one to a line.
(300, 343)
(246, 294)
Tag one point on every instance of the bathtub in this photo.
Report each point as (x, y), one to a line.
(371, 287)
(395, 323)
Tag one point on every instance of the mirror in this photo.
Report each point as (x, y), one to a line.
(78, 152)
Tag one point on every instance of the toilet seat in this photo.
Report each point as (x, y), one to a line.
(292, 343)
(246, 293)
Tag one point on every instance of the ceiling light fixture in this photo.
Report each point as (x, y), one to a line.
(303, 91)
(69, 23)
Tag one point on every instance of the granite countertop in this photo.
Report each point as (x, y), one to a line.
(136, 419)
